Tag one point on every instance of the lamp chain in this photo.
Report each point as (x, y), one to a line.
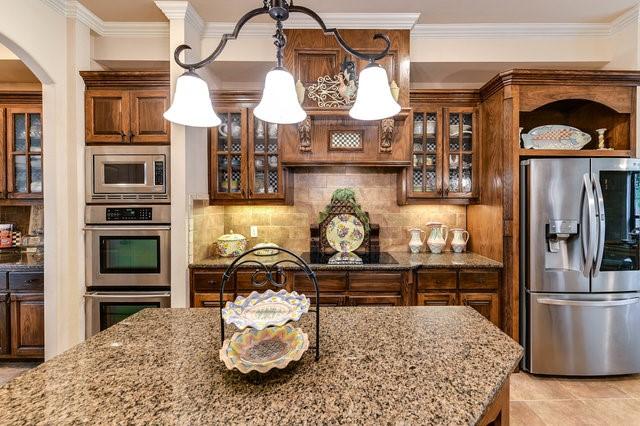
(280, 40)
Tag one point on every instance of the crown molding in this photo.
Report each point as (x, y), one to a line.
(509, 30)
(631, 16)
(135, 29)
(181, 10)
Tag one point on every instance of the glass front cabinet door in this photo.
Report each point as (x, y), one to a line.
(245, 160)
(24, 152)
(443, 154)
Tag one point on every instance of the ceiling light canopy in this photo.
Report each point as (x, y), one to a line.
(192, 104)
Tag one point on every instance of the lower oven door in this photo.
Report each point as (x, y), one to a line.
(119, 256)
(104, 309)
(584, 334)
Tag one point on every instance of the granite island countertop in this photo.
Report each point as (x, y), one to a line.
(406, 261)
(415, 365)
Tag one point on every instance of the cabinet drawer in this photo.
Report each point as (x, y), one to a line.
(328, 300)
(437, 279)
(3, 281)
(328, 281)
(479, 280)
(28, 281)
(210, 300)
(486, 304)
(209, 281)
(372, 281)
(437, 299)
(368, 300)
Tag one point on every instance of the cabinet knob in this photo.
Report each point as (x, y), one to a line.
(123, 135)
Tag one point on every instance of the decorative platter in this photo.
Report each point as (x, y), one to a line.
(345, 258)
(268, 249)
(555, 137)
(345, 233)
(262, 310)
(262, 350)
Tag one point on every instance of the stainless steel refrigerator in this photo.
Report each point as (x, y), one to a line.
(580, 266)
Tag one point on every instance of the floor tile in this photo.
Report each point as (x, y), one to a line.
(617, 411)
(566, 413)
(525, 387)
(520, 414)
(629, 385)
(592, 388)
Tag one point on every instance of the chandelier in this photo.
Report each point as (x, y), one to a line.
(192, 104)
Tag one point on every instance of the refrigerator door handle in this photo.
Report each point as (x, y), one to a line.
(588, 247)
(589, 303)
(601, 225)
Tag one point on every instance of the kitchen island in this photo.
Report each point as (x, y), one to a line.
(422, 365)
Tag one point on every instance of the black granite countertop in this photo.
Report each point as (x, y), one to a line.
(406, 261)
(21, 262)
(402, 365)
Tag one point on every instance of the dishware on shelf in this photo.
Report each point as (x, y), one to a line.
(437, 237)
(601, 139)
(262, 310)
(273, 130)
(231, 245)
(236, 130)
(345, 233)
(259, 126)
(263, 350)
(418, 127)
(555, 137)
(268, 249)
(454, 161)
(417, 239)
(454, 129)
(459, 240)
(431, 127)
(273, 161)
(259, 163)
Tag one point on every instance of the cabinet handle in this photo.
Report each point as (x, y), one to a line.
(123, 134)
(131, 135)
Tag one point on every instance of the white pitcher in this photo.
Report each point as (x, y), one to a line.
(437, 237)
(417, 240)
(459, 240)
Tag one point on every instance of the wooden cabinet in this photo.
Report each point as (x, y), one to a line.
(27, 325)
(245, 160)
(126, 107)
(375, 300)
(443, 154)
(485, 303)
(23, 151)
(5, 339)
(210, 300)
(477, 288)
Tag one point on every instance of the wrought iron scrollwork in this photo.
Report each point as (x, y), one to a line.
(272, 274)
(283, 12)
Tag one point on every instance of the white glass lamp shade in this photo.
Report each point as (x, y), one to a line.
(279, 102)
(374, 100)
(191, 104)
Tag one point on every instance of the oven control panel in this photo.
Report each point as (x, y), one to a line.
(118, 214)
(158, 172)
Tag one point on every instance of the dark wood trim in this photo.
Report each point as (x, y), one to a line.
(125, 79)
(331, 163)
(236, 97)
(21, 98)
(497, 413)
(455, 97)
(566, 77)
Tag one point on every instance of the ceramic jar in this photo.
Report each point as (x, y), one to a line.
(437, 237)
(459, 240)
(417, 240)
(231, 245)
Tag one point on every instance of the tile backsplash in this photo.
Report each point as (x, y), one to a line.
(288, 226)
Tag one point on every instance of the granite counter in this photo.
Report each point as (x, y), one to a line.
(21, 262)
(406, 261)
(412, 365)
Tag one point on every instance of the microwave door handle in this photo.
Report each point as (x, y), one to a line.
(601, 225)
(588, 246)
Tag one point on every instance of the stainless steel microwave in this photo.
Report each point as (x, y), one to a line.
(127, 174)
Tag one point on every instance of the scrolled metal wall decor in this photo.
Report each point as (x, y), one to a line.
(279, 10)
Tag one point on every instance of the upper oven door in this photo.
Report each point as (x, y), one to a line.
(127, 174)
(130, 256)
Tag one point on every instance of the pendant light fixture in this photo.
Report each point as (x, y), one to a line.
(192, 106)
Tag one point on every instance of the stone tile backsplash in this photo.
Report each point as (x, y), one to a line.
(288, 226)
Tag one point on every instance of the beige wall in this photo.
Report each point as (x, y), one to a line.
(288, 226)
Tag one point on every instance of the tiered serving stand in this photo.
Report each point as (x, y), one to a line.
(265, 275)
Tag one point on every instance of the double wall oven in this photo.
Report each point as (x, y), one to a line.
(127, 233)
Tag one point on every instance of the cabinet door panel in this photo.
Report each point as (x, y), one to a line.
(228, 156)
(207, 282)
(5, 343)
(437, 279)
(27, 325)
(147, 123)
(425, 174)
(372, 281)
(210, 300)
(24, 152)
(375, 300)
(460, 152)
(437, 299)
(328, 300)
(485, 303)
(107, 116)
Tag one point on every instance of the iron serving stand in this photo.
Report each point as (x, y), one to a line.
(264, 274)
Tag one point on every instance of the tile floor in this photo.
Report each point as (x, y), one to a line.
(560, 401)
(11, 370)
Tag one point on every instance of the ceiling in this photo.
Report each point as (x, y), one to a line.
(432, 11)
(14, 71)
